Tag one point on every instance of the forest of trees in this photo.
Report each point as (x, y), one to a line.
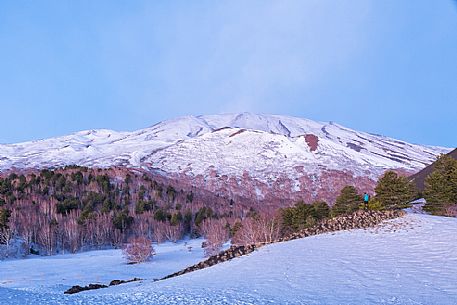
(77, 208)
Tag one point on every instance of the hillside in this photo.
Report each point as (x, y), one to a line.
(419, 177)
(268, 158)
(78, 208)
(410, 260)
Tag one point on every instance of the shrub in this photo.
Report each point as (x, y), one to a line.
(451, 211)
(160, 215)
(310, 221)
(263, 228)
(216, 233)
(176, 219)
(375, 205)
(235, 228)
(138, 250)
(141, 206)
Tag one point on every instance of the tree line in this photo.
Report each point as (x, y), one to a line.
(78, 208)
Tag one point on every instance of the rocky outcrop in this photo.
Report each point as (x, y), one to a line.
(312, 141)
(119, 282)
(358, 220)
(77, 288)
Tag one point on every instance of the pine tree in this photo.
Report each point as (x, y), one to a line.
(320, 210)
(441, 185)
(347, 202)
(394, 191)
(302, 215)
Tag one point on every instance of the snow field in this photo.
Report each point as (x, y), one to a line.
(411, 260)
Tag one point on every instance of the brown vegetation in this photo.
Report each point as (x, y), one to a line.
(138, 250)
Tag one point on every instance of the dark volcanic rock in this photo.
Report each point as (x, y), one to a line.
(312, 141)
(118, 282)
(77, 288)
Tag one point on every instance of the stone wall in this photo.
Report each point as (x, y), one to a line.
(358, 220)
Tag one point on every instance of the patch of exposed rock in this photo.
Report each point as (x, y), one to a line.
(77, 288)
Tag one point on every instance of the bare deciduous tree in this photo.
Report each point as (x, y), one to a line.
(165, 231)
(263, 228)
(47, 235)
(71, 231)
(138, 250)
(216, 234)
(6, 235)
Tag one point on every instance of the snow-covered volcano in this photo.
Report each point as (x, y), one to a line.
(245, 154)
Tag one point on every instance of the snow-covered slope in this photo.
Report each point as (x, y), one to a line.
(259, 148)
(410, 261)
(60, 272)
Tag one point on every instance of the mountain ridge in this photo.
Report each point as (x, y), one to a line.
(420, 177)
(263, 157)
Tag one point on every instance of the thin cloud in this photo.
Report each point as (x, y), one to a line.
(233, 55)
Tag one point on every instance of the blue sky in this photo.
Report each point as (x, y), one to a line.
(387, 67)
